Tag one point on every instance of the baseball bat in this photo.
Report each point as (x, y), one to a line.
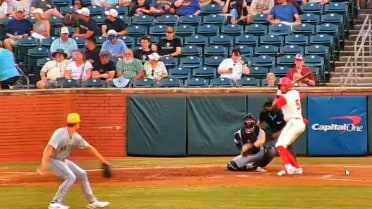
(302, 77)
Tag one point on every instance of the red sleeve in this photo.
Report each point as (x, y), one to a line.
(290, 73)
(306, 70)
(281, 101)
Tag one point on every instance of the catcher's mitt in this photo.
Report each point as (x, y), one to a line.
(106, 170)
(246, 149)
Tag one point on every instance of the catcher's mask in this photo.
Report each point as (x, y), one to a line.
(249, 122)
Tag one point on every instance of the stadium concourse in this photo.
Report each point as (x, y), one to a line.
(210, 37)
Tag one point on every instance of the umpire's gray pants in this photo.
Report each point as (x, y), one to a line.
(242, 161)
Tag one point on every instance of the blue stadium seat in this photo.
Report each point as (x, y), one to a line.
(213, 61)
(266, 50)
(122, 10)
(129, 41)
(166, 20)
(245, 50)
(310, 18)
(170, 82)
(271, 39)
(204, 72)
(207, 30)
(221, 82)
(304, 28)
(291, 50)
(136, 30)
(180, 73)
(96, 83)
(312, 8)
(80, 42)
(196, 82)
(232, 30)
(247, 39)
(263, 61)
(259, 19)
(216, 50)
(169, 62)
(280, 29)
(158, 30)
(100, 19)
(191, 50)
(196, 40)
(221, 40)
(190, 20)
(144, 83)
(258, 71)
(190, 62)
(145, 20)
(286, 60)
(211, 9)
(280, 70)
(256, 29)
(296, 39)
(248, 82)
(214, 19)
(185, 30)
(70, 83)
(96, 10)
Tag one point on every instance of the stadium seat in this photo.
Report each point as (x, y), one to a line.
(232, 30)
(158, 30)
(248, 82)
(330, 29)
(166, 20)
(245, 50)
(215, 50)
(211, 9)
(129, 41)
(271, 39)
(263, 61)
(185, 30)
(136, 30)
(310, 18)
(221, 82)
(122, 10)
(259, 19)
(207, 30)
(190, 62)
(335, 19)
(70, 83)
(312, 8)
(126, 19)
(80, 42)
(96, 10)
(296, 39)
(99, 41)
(314, 61)
(61, 3)
(170, 82)
(291, 50)
(204, 72)
(286, 60)
(256, 29)
(193, 20)
(96, 83)
(191, 50)
(65, 10)
(258, 72)
(196, 82)
(266, 50)
(169, 62)
(221, 40)
(249, 40)
(214, 19)
(280, 70)
(213, 61)
(144, 83)
(180, 73)
(196, 40)
(23, 46)
(304, 28)
(280, 29)
(145, 20)
(100, 19)
(322, 51)
(55, 22)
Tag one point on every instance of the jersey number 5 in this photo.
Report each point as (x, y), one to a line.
(298, 104)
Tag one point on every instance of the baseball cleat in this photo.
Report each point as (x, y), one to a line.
(281, 173)
(298, 171)
(57, 206)
(98, 204)
(260, 169)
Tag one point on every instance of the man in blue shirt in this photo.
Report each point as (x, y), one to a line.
(114, 45)
(284, 13)
(9, 74)
(17, 29)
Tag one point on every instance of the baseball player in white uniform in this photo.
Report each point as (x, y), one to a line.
(290, 103)
(55, 159)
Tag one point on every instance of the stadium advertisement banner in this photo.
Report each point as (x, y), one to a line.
(337, 125)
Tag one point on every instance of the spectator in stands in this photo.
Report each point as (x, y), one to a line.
(170, 46)
(9, 74)
(91, 52)
(299, 71)
(145, 49)
(284, 13)
(160, 7)
(126, 3)
(186, 7)
(104, 3)
(77, 5)
(207, 2)
(18, 5)
(155, 69)
(17, 29)
(112, 22)
(53, 70)
(87, 27)
(270, 80)
(128, 68)
(141, 7)
(315, 1)
(64, 42)
(48, 8)
(41, 25)
(104, 69)
(114, 45)
(259, 7)
(238, 9)
(79, 69)
(234, 67)
(5, 8)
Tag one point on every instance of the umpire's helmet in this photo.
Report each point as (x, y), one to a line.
(250, 116)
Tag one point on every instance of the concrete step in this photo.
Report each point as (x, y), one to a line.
(343, 63)
(353, 37)
(361, 80)
(340, 69)
(360, 58)
(332, 84)
(349, 51)
(359, 74)
(352, 42)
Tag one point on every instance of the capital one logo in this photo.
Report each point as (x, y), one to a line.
(346, 123)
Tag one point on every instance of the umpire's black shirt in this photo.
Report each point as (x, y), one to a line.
(275, 120)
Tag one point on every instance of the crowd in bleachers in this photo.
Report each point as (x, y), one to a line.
(174, 43)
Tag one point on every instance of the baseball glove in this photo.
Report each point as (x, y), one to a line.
(106, 170)
(246, 149)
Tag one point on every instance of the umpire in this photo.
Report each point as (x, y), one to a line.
(272, 122)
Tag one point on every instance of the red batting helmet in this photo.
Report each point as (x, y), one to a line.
(284, 81)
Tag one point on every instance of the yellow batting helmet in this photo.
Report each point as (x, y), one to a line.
(73, 118)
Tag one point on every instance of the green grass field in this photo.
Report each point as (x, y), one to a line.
(194, 197)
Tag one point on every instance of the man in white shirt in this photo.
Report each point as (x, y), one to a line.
(234, 67)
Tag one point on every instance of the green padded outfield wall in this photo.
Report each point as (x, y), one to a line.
(254, 105)
(211, 123)
(156, 126)
(369, 116)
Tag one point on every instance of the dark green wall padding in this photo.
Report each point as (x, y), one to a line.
(211, 123)
(156, 126)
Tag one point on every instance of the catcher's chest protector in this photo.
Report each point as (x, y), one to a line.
(250, 136)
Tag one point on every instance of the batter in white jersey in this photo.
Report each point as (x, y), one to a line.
(55, 155)
(290, 103)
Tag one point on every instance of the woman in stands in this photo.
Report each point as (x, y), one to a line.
(80, 69)
(41, 25)
(260, 7)
(155, 69)
(238, 9)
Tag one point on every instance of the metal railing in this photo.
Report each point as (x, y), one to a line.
(349, 76)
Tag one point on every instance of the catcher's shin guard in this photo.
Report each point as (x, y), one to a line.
(268, 157)
(232, 166)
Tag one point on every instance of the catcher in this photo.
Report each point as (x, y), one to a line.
(250, 140)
